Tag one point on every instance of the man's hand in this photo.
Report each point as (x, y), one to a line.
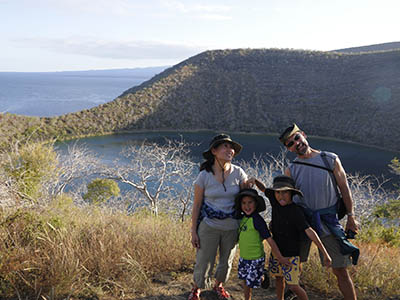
(351, 224)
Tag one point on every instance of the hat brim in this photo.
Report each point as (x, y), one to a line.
(270, 192)
(236, 146)
(261, 206)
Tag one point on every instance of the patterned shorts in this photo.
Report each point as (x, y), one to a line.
(291, 273)
(251, 271)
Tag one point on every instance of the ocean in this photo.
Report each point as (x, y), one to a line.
(47, 94)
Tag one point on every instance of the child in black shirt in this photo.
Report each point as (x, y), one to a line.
(288, 225)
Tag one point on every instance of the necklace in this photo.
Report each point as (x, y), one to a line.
(223, 173)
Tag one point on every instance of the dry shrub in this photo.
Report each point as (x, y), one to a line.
(87, 252)
(162, 244)
(376, 276)
(316, 277)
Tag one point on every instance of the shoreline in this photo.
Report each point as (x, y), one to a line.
(230, 132)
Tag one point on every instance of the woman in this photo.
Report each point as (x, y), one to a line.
(213, 224)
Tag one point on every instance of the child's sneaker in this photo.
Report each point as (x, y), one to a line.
(289, 295)
(221, 292)
(194, 294)
(265, 283)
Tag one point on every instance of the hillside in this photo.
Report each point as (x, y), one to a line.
(353, 97)
(369, 48)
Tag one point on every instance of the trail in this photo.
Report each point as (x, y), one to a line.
(167, 287)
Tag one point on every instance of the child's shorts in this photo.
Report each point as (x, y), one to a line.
(251, 271)
(291, 273)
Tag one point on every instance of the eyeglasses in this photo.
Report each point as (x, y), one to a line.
(291, 143)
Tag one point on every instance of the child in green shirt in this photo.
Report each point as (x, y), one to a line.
(252, 231)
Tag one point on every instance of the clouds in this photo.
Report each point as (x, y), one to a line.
(205, 9)
(94, 33)
(197, 10)
(98, 7)
(98, 34)
(124, 49)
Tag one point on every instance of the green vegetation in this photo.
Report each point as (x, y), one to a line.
(29, 167)
(383, 226)
(100, 190)
(395, 166)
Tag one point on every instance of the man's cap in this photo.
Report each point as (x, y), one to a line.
(288, 133)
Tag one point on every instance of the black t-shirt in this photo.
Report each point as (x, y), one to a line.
(288, 226)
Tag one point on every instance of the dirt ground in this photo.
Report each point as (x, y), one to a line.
(167, 287)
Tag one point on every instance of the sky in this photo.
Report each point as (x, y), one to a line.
(64, 35)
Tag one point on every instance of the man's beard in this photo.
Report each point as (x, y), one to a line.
(302, 148)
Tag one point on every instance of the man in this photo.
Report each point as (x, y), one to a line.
(309, 170)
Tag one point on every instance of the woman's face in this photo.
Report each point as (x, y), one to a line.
(223, 152)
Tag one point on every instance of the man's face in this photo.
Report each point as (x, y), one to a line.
(297, 143)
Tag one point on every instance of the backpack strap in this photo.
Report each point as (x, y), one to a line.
(325, 160)
(330, 171)
(312, 165)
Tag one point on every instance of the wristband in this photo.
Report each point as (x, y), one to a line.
(350, 214)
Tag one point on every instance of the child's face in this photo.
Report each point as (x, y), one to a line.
(283, 197)
(248, 205)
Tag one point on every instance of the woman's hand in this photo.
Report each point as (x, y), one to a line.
(327, 260)
(195, 240)
(248, 184)
(251, 182)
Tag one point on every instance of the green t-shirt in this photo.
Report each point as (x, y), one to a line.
(251, 237)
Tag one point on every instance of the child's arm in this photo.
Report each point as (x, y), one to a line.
(275, 250)
(260, 185)
(314, 237)
(262, 228)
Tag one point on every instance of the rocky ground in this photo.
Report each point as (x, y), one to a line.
(167, 287)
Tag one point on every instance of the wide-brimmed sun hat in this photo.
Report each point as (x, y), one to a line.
(252, 193)
(282, 183)
(219, 139)
(292, 129)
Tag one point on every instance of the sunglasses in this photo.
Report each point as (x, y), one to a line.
(291, 143)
